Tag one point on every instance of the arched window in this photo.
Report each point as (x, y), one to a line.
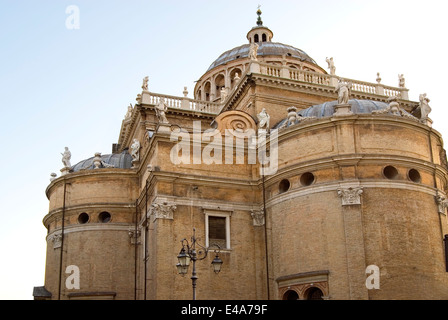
(207, 91)
(263, 37)
(256, 38)
(313, 294)
(290, 295)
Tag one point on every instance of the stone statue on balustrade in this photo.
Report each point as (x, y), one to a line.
(263, 120)
(401, 81)
(253, 51)
(343, 89)
(331, 65)
(161, 109)
(424, 107)
(66, 156)
(145, 83)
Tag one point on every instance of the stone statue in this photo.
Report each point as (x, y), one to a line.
(66, 156)
(343, 90)
(331, 65)
(97, 160)
(378, 78)
(394, 109)
(161, 109)
(425, 109)
(401, 81)
(135, 150)
(394, 106)
(129, 112)
(224, 94)
(253, 51)
(145, 83)
(293, 117)
(263, 119)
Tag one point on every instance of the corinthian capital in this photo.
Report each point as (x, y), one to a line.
(162, 210)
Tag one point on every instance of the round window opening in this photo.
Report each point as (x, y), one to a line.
(104, 217)
(390, 172)
(414, 175)
(307, 179)
(284, 186)
(83, 218)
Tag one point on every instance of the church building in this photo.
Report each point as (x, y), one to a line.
(278, 180)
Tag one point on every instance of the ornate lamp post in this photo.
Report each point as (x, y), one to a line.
(188, 253)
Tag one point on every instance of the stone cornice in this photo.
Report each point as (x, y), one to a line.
(334, 186)
(79, 175)
(304, 87)
(92, 227)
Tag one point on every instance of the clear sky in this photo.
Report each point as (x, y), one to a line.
(62, 87)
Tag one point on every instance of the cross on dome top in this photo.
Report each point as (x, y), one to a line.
(259, 21)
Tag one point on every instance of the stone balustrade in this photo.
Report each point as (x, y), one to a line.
(185, 103)
(182, 103)
(331, 80)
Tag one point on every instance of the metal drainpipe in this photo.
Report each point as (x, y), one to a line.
(135, 251)
(265, 229)
(146, 232)
(62, 240)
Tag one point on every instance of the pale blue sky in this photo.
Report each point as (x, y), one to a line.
(61, 87)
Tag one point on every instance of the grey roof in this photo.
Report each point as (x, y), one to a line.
(327, 109)
(118, 160)
(41, 292)
(264, 49)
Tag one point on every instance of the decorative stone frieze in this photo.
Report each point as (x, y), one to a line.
(350, 196)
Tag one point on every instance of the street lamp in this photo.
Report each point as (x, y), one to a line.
(188, 253)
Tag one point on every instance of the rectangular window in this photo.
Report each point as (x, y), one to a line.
(217, 229)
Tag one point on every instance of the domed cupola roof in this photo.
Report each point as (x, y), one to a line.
(261, 35)
(116, 160)
(357, 106)
(327, 110)
(264, 49)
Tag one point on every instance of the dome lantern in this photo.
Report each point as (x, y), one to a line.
(259, 33)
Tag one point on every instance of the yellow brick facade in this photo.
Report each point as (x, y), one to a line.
(311, 239)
